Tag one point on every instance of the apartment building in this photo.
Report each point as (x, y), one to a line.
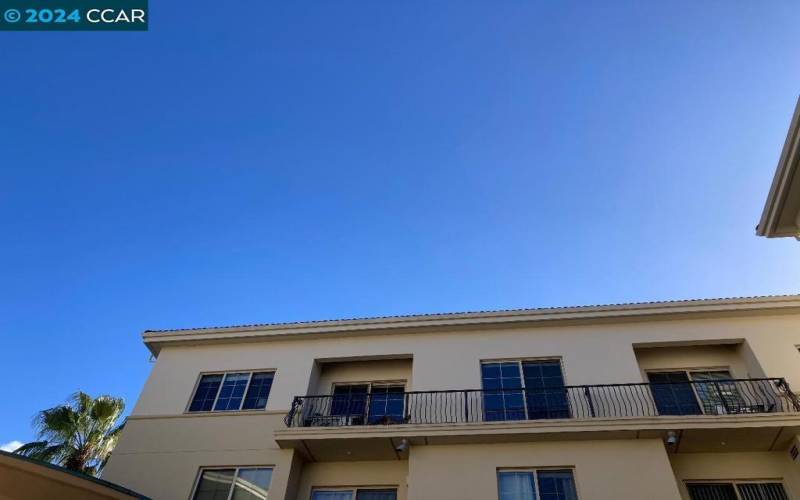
(658, 401)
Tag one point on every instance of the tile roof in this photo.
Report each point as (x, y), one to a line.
(489, 311)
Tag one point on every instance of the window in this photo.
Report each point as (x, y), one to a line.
(544, 389)
(232, 391)
(519, 390)
(673, 393)
(717, 394)
(536, 484)
(697, 392)
(258, 392)
(386, 404)
(502, 399)
(349, 400)
(234, 483)
(206, 393)
(737, 491)
(355, 494)
(371, 403)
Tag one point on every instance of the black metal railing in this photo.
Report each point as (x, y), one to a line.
(707, 397)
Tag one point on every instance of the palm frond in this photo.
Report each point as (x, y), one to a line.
(106, 410)
(79, 435)
(105, 407)
(44, 451)
(57, 423)
(81, 401)
(31, 449)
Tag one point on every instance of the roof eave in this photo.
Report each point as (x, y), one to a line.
(785, 174)
(155, 340)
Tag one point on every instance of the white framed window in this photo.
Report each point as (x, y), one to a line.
(536, 484)
(737, 490)
(371, 493)
(232, 391)
(233, 483)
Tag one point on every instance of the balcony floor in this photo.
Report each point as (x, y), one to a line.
(697, 433)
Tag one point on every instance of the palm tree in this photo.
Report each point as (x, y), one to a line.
(78, 435)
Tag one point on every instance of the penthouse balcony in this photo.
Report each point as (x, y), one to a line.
(654, 399)
(713, 415)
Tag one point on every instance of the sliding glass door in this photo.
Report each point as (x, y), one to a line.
(350, 401)
(502, 396)
(717, 394)
(387, 404)
(673, 393)
(710, 392)
(545, 394)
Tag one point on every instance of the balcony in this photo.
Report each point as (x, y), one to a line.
(708, 416)
(719, 397)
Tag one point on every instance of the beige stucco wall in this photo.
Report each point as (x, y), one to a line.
(384, 370)
(21, 479)
(160, 457)
(26, 486)
(390, 473)
(162, 448)
(602, 469)
(591, 354)
(775, 465)
(717, 357)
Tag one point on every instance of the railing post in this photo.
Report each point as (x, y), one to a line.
(290, 416)
(789, 394)
(588, 395)
(466, 406)
(721, 397)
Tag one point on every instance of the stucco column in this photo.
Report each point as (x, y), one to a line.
(286, 476)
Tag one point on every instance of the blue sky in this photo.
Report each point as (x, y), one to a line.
(340, 159)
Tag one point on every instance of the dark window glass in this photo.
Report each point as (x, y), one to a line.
(490, 370)
(747, 491)
(386, 404)
(502, 396)
(717, 394)
(673, 394)
(515, 486)
(544, 390)
(376, 495)
(711, 492)
(258, 392)
(214, 484)
(762, 491)
(252, 484)
(556, 485)
(332, 495)
(206, 393)
(350, 400)
(232, 391)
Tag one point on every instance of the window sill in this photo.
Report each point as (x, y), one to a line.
(193, 414)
